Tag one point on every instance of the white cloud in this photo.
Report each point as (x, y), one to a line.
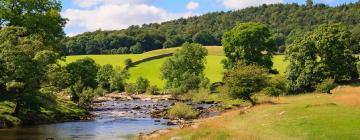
(115, 16)
(241, 4)
(192, 5)
(91, 3)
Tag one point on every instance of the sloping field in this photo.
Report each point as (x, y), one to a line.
(151, 69)
(115, 60)
(309, 117)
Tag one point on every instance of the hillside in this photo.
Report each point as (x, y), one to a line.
(309, 116)
(151, 69)
(286, 22)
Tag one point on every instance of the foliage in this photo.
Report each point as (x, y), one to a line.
(37, 17)
(104, 74)
(142, 85)
(84, 70)
(86, 97)
(204, 38)
(324, 53)
(248, 43)
(128, 62)
(243, 81)
(137, 48)
(326, 86)
(185, 69)
(130, 88)
(277, 86)
(117, 81)
(182, 111)
(290, 20)
(153, 90)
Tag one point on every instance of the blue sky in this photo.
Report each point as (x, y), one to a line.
(90, 15)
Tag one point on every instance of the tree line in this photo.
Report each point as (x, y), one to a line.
(285, 21)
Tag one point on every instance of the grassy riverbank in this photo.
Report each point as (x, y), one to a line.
(58, 111)
(310, 116)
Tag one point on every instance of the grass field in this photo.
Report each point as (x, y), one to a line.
(151, 69)
(310, 116)
(115, 60)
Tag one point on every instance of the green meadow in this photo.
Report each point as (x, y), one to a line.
(151, 69)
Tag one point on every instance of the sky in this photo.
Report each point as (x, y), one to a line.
(91, 15)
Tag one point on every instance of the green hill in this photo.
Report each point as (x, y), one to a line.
(151, 69)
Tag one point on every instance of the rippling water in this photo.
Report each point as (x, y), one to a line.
(115, 121)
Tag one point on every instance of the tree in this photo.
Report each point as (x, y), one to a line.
(324, 53)
(137, 49)
(104, 75)
(204, 38)
(243, 81)
(248, 43)
(41, 17)
(25, 62)
(309, 3)
(187, 63)
(84, 70)
(118, 80)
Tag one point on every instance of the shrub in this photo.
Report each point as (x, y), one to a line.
(326, 85)
(243, 81)
(141, 85)
(130, 88)
(128, 62)
(100, 91)
(277, 86)
(182, 111)
(86, 98)
(117, 81)
(154, 90)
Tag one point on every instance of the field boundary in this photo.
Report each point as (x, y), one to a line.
(149, 59)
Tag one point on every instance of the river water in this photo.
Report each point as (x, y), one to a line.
(115, 120)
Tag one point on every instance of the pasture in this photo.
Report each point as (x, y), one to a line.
(151, 69)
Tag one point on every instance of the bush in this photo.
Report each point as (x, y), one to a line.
(154, 90)
(86, 98)
(243, 81)
(128, 62)
(100, 91)
(277, 86)
(182, 111)
(326, 86)
(117, 81)
(141, 85)
(130, 88)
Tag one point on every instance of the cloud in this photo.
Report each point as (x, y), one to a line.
(91, 3)
(241, 4)
(114, 16)
(192, 5)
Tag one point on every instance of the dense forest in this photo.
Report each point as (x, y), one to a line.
(286, 22)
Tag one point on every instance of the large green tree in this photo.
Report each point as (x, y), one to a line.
(326, 52)
(25, 60)
(185, 69)
(41, 17)
(248, 43)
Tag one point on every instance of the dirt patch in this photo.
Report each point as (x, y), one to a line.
(319, 105)
(348, 95)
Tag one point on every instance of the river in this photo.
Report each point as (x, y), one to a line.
(115, 120)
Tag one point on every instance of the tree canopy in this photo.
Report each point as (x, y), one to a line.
(41, 17)
(324, 53)
(286, 21)
(248, 43)
(185, 69)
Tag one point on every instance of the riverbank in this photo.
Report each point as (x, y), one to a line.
(60, 110)
(308, 116)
